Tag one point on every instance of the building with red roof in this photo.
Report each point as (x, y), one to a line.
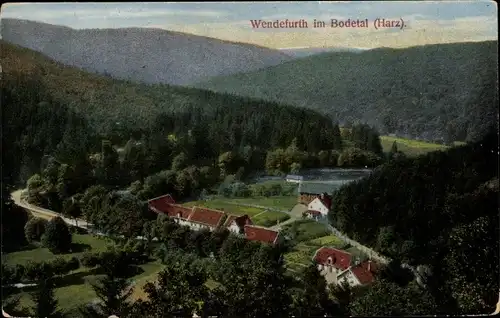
(236, 224)
(203, 218)
(338, 265)
(319, 207)
(160, 204)
(261, 234)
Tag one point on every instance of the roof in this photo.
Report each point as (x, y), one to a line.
(340, 259)
(325, 201)
(316, 188)
(362, 273)
(173, 210)
(241, 220)
(206, 216)
(160, 204)
(294, 177)
(261, 234)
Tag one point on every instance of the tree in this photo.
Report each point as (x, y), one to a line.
(313, 300)
(34, 229)
(388, 299)
(176, 293)
(180, 162)
(44, 300)
(113, 293)
(57, 237)
(72, 208)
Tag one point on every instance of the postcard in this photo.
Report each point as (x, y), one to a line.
(250, 159)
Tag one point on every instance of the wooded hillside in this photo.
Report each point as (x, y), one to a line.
(435, 92)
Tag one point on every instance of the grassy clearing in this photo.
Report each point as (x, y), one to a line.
(264, 218)
(81, 243)
(75, 288)
(270, 218)
(303, 252)
(410, 147)
(277, 202)
(305, 230)
(79, 291)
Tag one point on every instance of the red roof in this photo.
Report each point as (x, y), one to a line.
(206, 216)
(361, 271)
(161, 204)
(327, 201)
(178, 211)
(256, 233)
(241, 220)
(339, 259)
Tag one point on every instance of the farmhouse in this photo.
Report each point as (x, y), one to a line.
(159, 204)
(319, 207)
(338, 266)
(294, 178)
(308, 191)
(236, 224)
(196, 218)
(262, 234)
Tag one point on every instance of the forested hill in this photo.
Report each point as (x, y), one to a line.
(440, 210)
(145, 55)
(53, 107)
(443, 91)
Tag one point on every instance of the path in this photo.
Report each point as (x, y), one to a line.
(16, 196)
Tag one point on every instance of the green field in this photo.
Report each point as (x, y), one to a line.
(259, 216)
(410, 147)
(81, 243)
(75, 288)
(306, 230)
(278, 202)
(302, 253)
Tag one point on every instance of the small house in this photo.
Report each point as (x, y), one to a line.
(203, 218)
(308, 191)
(294, 178)
(338, 266)
(319, 207)
(262, 234)
(160, 204)
(236, 224)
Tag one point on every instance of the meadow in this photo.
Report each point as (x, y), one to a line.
(259, 216)
(75, 289)
(410, 147)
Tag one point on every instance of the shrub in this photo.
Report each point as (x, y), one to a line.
(90, 259)
(34, 229)
(57, 237)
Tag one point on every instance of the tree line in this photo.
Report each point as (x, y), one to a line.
(439, 210)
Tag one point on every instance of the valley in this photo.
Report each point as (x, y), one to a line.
(158, 173)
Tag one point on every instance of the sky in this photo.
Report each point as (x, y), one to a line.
(425, 22)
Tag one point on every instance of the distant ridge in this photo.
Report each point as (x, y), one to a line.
(430, 92)
(146, 55)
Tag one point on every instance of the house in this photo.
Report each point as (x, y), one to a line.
(294, 178)
(262, 234)
(308, 191)
(236, 224)
(203, 218)
(338, 265)
(319, 207)
(159, 204)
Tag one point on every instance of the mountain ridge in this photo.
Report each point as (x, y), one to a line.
(406, 91)
(148, 55)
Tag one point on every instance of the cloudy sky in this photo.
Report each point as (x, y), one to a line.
(426, 22)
